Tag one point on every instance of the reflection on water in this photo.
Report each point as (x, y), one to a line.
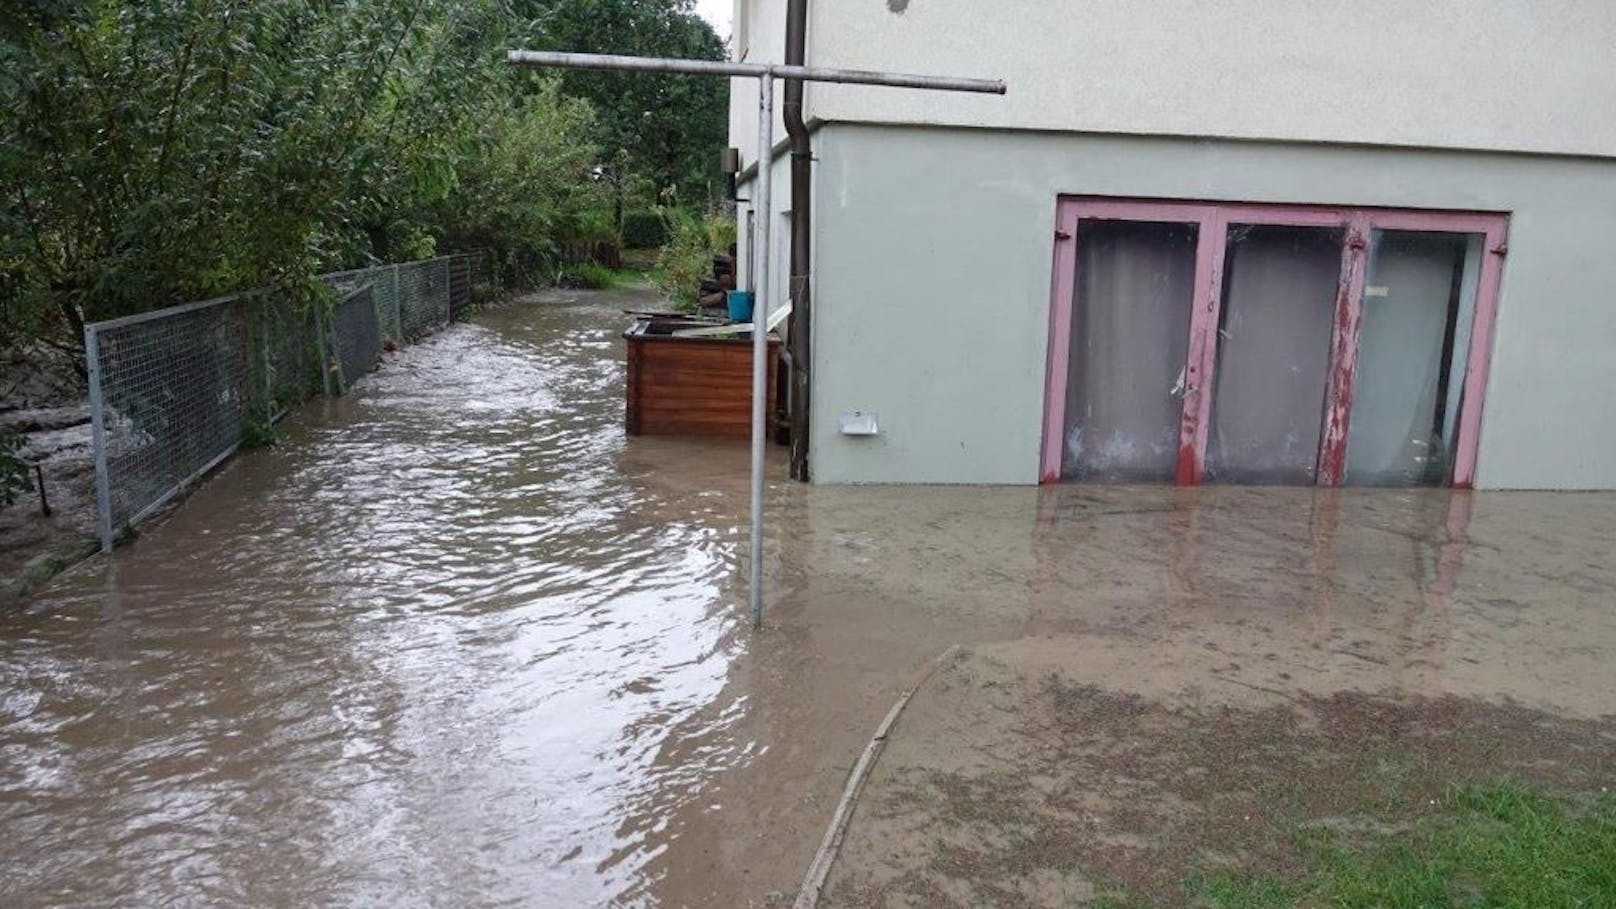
(429, 650)
(457, 642)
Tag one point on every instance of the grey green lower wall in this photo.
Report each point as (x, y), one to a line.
(932, 283)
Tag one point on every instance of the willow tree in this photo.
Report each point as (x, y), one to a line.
(664, 130)
(162, 151)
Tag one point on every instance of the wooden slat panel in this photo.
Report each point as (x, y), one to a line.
(694, 395)
(713, 398)
(696, 388)
(631, 413)
(734, 372)
(694, 379)
(737, 416)
(735, 427)
(713, 368)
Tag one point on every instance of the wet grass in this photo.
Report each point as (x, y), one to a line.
(589, 276)
(1497, 843)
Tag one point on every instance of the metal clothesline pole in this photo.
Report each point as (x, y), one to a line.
(760, 341)
(765, 73)
(564, 60)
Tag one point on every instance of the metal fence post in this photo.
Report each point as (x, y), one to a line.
(98, 435)
(443, 265)
(334, 342)
(264, 330)
(398, 308)
(376, 303)
(320, 347)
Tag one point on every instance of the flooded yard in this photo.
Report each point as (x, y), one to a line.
(459, 641)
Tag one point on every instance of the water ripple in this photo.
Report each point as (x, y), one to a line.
(437, 646)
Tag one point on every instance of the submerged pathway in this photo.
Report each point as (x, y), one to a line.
(459, 642)
(429, 649)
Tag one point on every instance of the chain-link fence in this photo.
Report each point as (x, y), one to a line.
(289, 353)
(172, 392)
(383, 281)
(423, 298)
(471, 278)
(356, 337)
(169, 397)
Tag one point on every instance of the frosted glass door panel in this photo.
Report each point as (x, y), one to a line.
(1279, 297)
(1418, 303)
(1130, 336)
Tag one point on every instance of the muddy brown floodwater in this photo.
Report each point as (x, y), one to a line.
(457, 641)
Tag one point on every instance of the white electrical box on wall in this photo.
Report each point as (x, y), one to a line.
(859, 423)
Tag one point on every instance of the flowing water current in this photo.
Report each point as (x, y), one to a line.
(457, 641)
(425, 651)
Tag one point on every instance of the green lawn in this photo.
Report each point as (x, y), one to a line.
(599, 277)
(1496, 844)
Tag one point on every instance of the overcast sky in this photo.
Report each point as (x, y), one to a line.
(717, 12)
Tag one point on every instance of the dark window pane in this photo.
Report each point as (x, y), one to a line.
(1279, 296)
(1130, 336)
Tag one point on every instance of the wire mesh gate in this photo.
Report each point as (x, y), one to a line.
(172, 392)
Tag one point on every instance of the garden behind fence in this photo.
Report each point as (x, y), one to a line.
(173, 392)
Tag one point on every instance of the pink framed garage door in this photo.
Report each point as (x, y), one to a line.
(1249, 343)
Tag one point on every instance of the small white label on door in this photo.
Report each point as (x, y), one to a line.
(1377, 291)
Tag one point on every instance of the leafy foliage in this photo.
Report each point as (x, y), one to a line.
(656, 131)
(644, 230)
(721, 233)
(157, 152)
(522, 181)
(687, 257)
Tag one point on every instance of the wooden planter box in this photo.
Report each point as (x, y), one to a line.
(692, 386)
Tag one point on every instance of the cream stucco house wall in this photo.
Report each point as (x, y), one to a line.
(1146, 227)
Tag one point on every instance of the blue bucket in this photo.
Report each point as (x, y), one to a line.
(740, 305)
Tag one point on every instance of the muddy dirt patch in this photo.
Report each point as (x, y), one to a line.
(1018, 788)
(43, 409)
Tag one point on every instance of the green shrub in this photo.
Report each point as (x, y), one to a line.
(589, 275)
(593, 224)
(258, 432)
(684, 261)
(156, 153)
(14, 470)
(644, 230)
(721, 233)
